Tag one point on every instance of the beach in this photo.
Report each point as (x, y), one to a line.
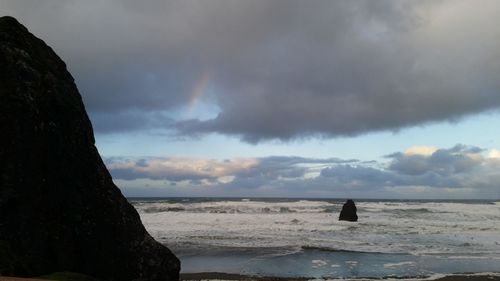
(278, 239)
(225, 276)
(302, 238)
(236, 277)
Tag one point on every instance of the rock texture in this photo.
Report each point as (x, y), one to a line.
(59, 209)
(348, 212)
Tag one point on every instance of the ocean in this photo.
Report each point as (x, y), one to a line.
(286, 237)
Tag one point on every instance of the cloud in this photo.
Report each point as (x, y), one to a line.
(494, 154)
(176, 169)
(455, 172)
(420, 150)
(191, 169)
(123, 121)
(357, 175)
(458, 159)
(277, 69)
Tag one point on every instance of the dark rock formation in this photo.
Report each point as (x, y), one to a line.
(348, 212)
(59, 209)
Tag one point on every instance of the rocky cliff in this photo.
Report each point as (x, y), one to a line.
(59, 209)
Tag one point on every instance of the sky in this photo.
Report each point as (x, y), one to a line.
(286, 98)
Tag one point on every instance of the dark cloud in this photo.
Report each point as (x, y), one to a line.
(457, 167)
(459, 159)
(278, 69)
(116, 122)
(357, 175)
(276, 167)
(370, 179)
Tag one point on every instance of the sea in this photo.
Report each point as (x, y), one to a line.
(291, 237)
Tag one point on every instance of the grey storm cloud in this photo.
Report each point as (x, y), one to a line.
(369, 179)
(276, 167)
(440, 171)
(455, 160)
(279, 69)
(458, 167)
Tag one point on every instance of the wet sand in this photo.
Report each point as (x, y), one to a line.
(238, 277)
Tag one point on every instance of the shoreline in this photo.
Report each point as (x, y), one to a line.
(494, 276)
(221, 276)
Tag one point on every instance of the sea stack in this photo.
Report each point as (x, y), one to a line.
(59, 208)
(348, 212)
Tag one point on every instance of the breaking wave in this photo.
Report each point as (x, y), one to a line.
(412, 227)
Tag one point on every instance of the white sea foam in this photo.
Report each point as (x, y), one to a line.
(404, 263)
(432, 277)
(420, 228)
(245, 206)
(318, 263)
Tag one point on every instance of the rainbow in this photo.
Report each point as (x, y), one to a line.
(199, 90)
